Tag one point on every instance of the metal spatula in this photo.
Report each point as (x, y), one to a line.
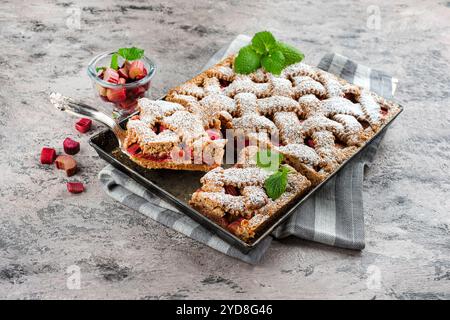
(79, 108)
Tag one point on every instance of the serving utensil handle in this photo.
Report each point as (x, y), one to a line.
(82, 109)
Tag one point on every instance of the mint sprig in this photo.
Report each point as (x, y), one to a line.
(131, 54)
(128, 54)
(275, 184)
(267, 52)
(247, 61)
(115, 61)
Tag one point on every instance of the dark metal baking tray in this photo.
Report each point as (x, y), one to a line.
(177, 186)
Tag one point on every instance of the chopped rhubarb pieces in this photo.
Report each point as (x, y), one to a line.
(138, 91)
(213, 134)
(71, 146)
(123, 73)
(231, 190)
(134, 149)
(122, 81)
(83, 125)
(140, 76)
(48, 155)
(136, 69)
(66, 163)
(101, 90)
(75, 187)
(116, 95)
(111, 75)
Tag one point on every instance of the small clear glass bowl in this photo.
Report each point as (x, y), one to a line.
(134, 90)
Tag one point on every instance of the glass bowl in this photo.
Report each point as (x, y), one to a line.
(122, 97)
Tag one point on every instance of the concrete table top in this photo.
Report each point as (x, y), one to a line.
(48, 236)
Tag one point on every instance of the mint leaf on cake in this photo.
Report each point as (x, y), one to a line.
(247, 61)
(267, 52)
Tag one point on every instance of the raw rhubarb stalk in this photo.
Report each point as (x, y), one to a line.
(123, 73)
(48, 155)
(71, 146)
(140, 76)
(83, 125)
(111, 75)
(101, 90)
(66, 163)
(136, 69)
(75, 187)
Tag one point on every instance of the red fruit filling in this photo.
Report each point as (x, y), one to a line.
(111, 75)
(384, 112)
(153, 157)
(224, 83)
(310, 142)
(159, 128)
(48, 155)
(66, 163)
(134, 149)
(365, 124)
(75, 187)
(71, 146)
(233, 226)
(83, 125)
(231, 190)
(213, 134)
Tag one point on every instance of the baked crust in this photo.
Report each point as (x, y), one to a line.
(321, 121)
(167, 136)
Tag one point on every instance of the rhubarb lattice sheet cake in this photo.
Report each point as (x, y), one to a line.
(313, 119)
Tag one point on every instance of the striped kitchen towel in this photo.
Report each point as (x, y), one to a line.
(333, 216)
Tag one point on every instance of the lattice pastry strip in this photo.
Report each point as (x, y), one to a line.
(304, 85)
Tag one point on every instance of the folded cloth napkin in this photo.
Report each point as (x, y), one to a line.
(333, 216)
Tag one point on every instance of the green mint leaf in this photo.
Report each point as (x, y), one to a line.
(291, 54)
(115, 61)
(273, 62)
(247, 60)
(275, 184)
(100, 68)
(263, 41)
(268, 160)
(131, 54)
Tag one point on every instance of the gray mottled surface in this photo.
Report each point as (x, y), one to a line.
(44, 230)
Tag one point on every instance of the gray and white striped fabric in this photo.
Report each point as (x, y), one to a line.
(333, 216)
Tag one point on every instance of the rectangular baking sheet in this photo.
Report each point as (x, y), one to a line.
(176, 187)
